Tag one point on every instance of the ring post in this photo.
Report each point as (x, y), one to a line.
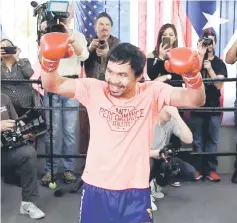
(51, 136)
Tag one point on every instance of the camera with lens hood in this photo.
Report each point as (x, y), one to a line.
(54, 12)
(14, 138)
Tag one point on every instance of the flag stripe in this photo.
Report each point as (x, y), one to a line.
(175, 14)
(186, 26)
(150, 23)
(142, 26)
(167, 11)
(159, 19)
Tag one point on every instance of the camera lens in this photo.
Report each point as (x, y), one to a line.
(207, 42)
(101, 42)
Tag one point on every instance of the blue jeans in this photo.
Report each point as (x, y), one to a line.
(65, 125)
(205, 131)
(187, 172)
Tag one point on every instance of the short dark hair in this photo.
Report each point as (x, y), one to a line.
(128, 53)
(105, 14)
(209, 32)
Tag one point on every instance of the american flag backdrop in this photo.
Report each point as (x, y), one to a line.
(138, 22)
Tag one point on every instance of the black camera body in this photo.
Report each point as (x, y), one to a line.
(207, 41)
(12, 139)
(102, 44)
(169, 166)
(54, 12)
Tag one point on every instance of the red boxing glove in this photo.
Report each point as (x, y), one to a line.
(54, 46)
(185, 61)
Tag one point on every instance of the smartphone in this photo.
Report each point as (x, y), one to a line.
(10, 49)
(166, 41)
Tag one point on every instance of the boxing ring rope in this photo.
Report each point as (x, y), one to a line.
(51, 156)
(205, 80)
(192, 153)
(201, 109)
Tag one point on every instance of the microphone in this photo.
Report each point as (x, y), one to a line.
(36, 7)
(34, 4)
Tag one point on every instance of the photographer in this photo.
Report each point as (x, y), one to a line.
(23, 159)
(62, 120)
(169, 122)
(231, 58)
(13, 67)
(206, 126)
(99, 46)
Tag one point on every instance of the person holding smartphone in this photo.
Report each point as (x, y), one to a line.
(167, 39)
(14, 67)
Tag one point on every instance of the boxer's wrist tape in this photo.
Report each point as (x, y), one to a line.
(193, 82)
(49, 65)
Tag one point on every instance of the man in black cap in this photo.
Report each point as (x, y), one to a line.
(99, 46)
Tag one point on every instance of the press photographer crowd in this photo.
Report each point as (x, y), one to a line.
(66, 57)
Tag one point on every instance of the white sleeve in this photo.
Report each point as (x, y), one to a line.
(176, 129)
(81, 40)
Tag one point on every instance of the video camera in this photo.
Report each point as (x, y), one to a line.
(12, 139)
(52, 12)
(169, 167)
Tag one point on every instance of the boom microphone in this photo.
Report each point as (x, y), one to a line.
(36, 7)
(34, 4)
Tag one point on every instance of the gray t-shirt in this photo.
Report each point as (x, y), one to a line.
(163, 134)
(7, 109)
